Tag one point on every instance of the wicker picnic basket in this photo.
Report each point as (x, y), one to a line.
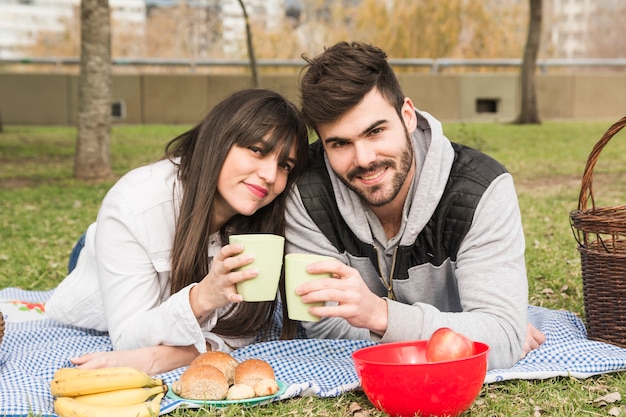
(1, 327)
(601, 236)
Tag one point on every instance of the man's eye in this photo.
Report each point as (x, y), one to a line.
(338, 144)
(376, 131)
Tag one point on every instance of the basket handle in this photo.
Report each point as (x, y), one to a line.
(586, 190)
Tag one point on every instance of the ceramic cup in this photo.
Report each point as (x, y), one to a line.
(296, 275)
(268, 259)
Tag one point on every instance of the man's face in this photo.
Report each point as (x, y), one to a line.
(369, 149)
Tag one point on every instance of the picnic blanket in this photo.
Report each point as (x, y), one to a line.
(34, 347)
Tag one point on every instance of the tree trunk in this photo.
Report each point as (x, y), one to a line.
(253, 66)
(529, 113)
(92, 160)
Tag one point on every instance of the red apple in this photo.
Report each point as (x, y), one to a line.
(445, 345)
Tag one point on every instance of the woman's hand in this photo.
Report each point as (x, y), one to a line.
(217, 288)
(355, 302)
(151, 360)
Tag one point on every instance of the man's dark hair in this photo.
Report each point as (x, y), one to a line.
(336, 80)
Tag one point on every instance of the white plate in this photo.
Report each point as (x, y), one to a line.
(282, 387)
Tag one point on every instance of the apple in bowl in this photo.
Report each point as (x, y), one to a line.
(446, 345)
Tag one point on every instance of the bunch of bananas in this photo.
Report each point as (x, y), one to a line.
(107, 392)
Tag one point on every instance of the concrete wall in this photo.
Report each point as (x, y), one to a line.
(51, 99)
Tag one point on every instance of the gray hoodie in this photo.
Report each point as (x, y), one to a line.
(489, 272)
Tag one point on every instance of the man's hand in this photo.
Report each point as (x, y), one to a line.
(354, 301)
(534, 339)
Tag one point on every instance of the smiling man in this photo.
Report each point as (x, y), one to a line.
(427, 233)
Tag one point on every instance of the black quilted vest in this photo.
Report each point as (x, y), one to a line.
(470, 175)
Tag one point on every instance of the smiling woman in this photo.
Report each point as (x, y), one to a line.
(251, 178)
(155, 271)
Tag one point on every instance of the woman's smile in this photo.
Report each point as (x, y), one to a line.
(257, 190)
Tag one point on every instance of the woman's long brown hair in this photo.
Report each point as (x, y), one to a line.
(242, 119)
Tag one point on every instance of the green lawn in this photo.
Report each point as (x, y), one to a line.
(43, 210)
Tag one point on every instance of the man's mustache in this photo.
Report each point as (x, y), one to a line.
(360, 171)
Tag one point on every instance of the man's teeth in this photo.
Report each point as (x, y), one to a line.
(372, 176)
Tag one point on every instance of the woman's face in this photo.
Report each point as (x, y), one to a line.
(250, 179)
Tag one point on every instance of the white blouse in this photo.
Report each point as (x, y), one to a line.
(121, 280)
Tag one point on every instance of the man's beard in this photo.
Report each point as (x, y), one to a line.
(368, 194)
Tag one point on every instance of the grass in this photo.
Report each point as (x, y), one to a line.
(43, 210)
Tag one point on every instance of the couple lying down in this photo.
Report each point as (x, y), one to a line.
(425, 233)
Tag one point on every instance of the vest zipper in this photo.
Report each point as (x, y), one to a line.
(389, 281)
(393, 270)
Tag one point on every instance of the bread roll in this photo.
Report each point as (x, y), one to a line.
(240, 392)
(252, 371)
(201, 382)
(222, 361)
(266, 387)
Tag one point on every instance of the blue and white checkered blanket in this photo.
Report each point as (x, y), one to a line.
(34, 347)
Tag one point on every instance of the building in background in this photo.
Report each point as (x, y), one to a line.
(230, 16)
(571, 26)
(580, 28)
(270, 12)
(22, 21)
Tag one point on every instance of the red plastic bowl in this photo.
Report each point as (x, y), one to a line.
(398, 380)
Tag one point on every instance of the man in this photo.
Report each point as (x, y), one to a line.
(428, 232)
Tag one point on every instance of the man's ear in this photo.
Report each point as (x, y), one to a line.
(408, 115)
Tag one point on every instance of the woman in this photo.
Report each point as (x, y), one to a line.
(154, 272)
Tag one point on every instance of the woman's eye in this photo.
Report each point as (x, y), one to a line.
(255, 149)
(287, 167)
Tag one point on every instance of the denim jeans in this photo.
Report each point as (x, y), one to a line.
(80, 244)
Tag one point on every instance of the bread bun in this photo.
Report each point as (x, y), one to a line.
(266, 387)
(240, 392)
(252, 371)
(201, 382)
(221, 360)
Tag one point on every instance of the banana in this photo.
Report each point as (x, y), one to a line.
(72, 384)
(71, 407)
(63, 373)
(127, 396)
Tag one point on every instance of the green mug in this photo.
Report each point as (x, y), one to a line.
(268, 252)
(296, 275)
